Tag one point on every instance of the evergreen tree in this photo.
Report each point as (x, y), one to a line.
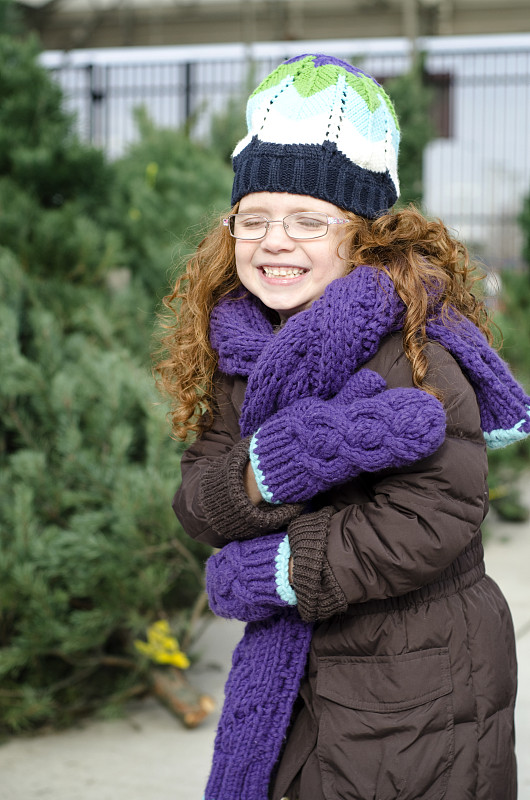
(513, 319)
(10, 21)
(168, 189)
(228, 127)
(53, 189)
(90, 551)
(524, 223)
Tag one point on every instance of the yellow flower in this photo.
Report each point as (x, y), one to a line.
(161, 646)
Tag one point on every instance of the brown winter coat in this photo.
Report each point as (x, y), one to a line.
(411, 678)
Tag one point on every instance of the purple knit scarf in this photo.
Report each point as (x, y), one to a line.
(314, 354)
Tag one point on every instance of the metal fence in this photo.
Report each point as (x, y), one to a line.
(477, 170)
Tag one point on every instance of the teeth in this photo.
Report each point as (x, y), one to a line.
(283, 272)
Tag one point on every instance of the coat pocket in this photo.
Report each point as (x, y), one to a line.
(387, 726)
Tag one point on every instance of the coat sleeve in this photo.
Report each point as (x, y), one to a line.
(407, 526)
(211, 502)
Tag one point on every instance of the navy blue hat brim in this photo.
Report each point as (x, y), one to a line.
(319, 170)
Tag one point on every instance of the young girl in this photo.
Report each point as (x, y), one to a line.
(335, 367)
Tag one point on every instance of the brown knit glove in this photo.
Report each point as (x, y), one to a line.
(317, 590)
(227, 506)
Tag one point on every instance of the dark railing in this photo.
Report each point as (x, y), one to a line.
(477, 170)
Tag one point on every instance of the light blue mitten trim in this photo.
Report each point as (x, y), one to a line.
(502, 438)
(258, 474)
(283, 587)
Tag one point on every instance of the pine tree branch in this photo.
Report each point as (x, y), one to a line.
(77, 677)
(19, 425)
(198, 609)
(97, 661)
(133, 691)
(116, 661)
(183, 550)
(175, 544)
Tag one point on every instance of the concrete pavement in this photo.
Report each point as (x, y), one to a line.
(148, 755)
(508, 563)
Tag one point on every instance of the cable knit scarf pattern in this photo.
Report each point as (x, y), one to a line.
(313, 355)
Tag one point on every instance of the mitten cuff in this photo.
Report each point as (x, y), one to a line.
(259, 477)
(317, 590)
(283, 586)
(278, 456)
(264, 569)
(227, 506)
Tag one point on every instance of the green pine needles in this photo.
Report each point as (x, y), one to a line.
(91, 554)
(90, 551)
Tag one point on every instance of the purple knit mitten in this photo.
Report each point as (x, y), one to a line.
(313, 444)
(249, 580)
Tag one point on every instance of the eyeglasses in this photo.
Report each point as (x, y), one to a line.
(302, 225)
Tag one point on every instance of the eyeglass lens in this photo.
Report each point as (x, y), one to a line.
(302, 225)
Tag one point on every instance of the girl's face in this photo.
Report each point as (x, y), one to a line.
(287, 274)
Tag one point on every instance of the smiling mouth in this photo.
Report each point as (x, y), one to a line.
(283, 272)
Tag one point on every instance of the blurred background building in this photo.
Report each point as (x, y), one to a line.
(67, 24)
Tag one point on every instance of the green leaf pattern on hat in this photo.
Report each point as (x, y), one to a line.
(308, 80)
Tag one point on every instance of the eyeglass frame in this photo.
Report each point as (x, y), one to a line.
(268, 222)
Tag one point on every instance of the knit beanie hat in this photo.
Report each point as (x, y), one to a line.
(320, 127)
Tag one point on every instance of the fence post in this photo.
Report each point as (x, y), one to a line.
(96, 96)
(188, 88)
